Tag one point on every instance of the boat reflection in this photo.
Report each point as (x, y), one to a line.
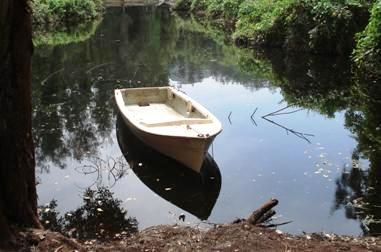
(193, 192)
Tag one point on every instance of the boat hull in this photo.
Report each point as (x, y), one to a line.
(186, 150)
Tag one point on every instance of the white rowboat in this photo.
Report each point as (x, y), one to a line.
(170, 122)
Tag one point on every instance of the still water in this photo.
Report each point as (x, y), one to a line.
(295, 128)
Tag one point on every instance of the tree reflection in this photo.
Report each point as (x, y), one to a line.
(100, 217)
(74, 110)
(325, 85)
(73, 84)
(359, 190)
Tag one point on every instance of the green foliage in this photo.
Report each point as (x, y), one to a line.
(224, 8)
(319, 26)
(367, 54)
(257, 16)
(65, 11)
(199, 5)
(182, 5)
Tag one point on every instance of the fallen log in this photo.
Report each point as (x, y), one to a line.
(263, 213)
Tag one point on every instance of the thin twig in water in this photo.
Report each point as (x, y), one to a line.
(252, 116)
(255, 110)
(296, 133)
(98, 66)
(275, 112)
(50, 75)
(278, 224)
(136, 71)
(229, 117)
(116, 169)
(286, 113)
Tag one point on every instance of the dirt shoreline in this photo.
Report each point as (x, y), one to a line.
(228, 237)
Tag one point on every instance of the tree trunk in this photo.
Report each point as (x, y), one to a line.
(18, 199)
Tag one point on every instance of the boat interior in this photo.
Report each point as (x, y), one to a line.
(160, 107)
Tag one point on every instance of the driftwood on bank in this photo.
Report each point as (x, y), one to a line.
(262, 214)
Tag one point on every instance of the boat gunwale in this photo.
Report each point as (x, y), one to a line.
(185, 97)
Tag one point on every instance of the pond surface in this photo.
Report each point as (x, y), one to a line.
(295, 128)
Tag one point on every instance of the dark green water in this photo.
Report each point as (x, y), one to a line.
(320, 156)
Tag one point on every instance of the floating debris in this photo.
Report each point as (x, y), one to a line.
(129, 199)
(168, 188)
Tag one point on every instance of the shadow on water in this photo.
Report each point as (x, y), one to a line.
(193, 192)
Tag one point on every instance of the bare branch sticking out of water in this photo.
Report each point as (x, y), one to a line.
(115, 168)
(275, 113)
(229, 117)
(301, 135)
(277, 224)
(51, 75)
(252, 117)
(288, 130)
(97, 66)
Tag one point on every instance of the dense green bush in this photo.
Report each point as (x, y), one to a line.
(318, 26)
(367, 55)
(225, 8)
(64, 11)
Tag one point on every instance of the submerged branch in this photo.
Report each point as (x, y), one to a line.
(276, 112)
(296, 133)
(98, 66)
(50, 76)
(116, 169)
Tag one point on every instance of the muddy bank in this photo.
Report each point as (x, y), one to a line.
(229, 237)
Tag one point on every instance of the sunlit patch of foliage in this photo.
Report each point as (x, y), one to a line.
(319, 26)
(53, 12)
(367, 55)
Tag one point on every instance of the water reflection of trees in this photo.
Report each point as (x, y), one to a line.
(74, 109)
(100, 217)
(73, 87)
(325, 85)
(73, 84)
(358, 189)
